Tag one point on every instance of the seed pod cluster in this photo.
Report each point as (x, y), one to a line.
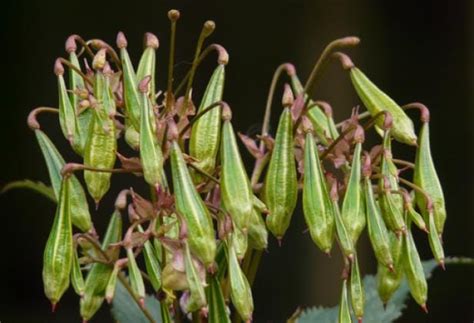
(202, 230)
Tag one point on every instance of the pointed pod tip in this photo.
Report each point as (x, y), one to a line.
(328, 252)
(53, 307)
(391, 268)
(424, 308)
(84, 321)
(58, 67)
(279, 240)
(97, 204)
(359, 319)
(121, 40)
(142, 302)
(71, 45)
(442, 264)
(174, 15)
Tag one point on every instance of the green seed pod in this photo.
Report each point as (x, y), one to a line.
(77, 279)
(132, 137)
(67, 113)
(342, 234)
(354, 220)
(236, 192)
(257, 231)
(435, 241)
(131, 95)
(239, 241)
(135, 276)
(378, 234)
(147, 64)
(197, 298)
(58, 253)
(357, 291)
(201, 235)
(388, 280)
(218, 312)
(280, 190)
(204, 141)
(344, 310)
(426, 177)
(258, 204)
(377, 101)
(151, 263)
(112, 284)
(151, 155)
(415, 216)
(81, 217)
(414, 271)
(240, 291)
(317, 205)
(98, 277)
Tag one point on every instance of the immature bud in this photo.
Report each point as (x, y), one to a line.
(143, 86)
(223, 55)
(288, 98)
(71, 45)
(359, 134)
(209, 27)
(151, 41)
(121, 40)
(173, 15)
(121, 200)
(58, 67)
(226, 112)
(99, 60)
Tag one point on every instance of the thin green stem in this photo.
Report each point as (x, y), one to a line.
(173, 15)
(32, 117)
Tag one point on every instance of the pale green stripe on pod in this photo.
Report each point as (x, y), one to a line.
(58, 253)
(317, 206)
(135, 276)
(218, 312)
(280, 190)
(151, 156)
(197, 298)
(204, 141)
(77, 279)
(426, 177)
(354, 219)
(357, 290)
(147, 64)
(240, 291)
(414, 270)
(342, 234)
(435, 241)
(98, 277)
(377, 101)
(151, 263)
(344, 310)
(112, 285)
(81, 217)
(201, 235)
(236, 192)
(388, 280)
(239, 242)
(378, 234)
(257, 231)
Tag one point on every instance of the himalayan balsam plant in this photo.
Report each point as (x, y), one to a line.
(195, 240)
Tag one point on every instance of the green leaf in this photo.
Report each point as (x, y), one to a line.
(374, 310)
(38, 187)
(125, 309)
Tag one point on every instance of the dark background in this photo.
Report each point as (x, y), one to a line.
(415, 50)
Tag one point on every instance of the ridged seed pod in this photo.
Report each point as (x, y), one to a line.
(344, 309)
(388, 280)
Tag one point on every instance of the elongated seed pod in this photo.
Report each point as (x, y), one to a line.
(317, 205)
(58, 253)
(98, 277)
(425, 176)
(218, 312)
(236, 193)
(239, 241)
(135, 276)
(131, 95)
(201, 235)
(415, 216)
(342, 234)
(388, 280)
(257, 231)
(280, 190)
(413, 270)
(151, 263)
(204, 141)
(81, 217)
(151, 155)
(197, 299)
(378, 234)
(357, 290)
(112, 284)
(377, 101)
(77, 280)
(354, 220)
(147, 64)
(435, 241)
(240, 291)
(344, 311)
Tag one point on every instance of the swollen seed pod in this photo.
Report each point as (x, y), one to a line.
(147, 64)
(190, 205)
(357, 290)
(151, 263)
(77, 279)
(435, 241)
(81, 217)
(218, 312)
(317, 205)
(354, 220)
(132, 136)
(197, 300)
(59, 253)
(425, 176)
(204, 141)
(388, 280)
(344, 310)
(112, 284)
(151, 155)
(377, 101)
(343, 236)
(414, 216)
(135, 276)
(236, 192)
(413, 270)
(240, 291)
(257, 231)
(280, 190)
(98, 277)
(378, 234)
